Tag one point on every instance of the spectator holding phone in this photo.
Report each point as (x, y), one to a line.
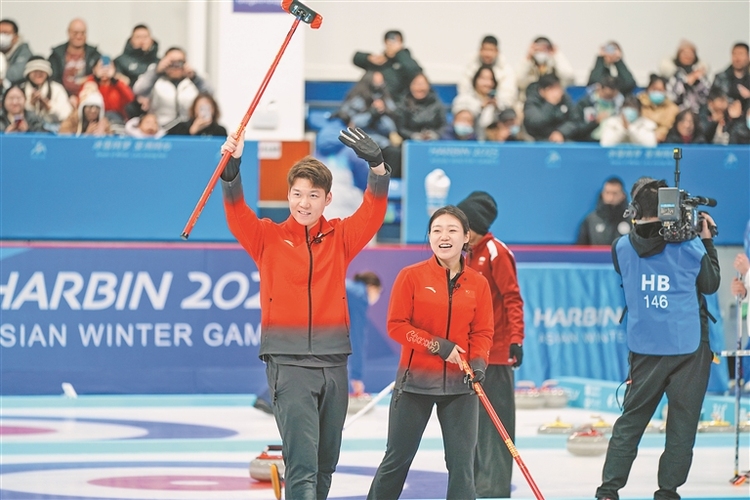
(543, 58)
(505, 75)
(609, 63)
(170, 88)
(88, 118)
(482, 97)
(44, 96)
(395, 63)
(14, 117)
(114, 90)
(204, 115)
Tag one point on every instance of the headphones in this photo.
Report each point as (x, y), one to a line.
(634, 210)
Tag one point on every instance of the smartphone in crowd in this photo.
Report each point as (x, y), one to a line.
(204, 111)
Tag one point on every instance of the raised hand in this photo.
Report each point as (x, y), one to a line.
(363, 145)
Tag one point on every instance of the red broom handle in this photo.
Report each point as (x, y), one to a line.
(501, 429)
(225, 157)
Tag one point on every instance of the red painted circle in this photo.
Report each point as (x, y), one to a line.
(181, 483)
(16, 430)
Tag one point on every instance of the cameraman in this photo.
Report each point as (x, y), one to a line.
(667, 335)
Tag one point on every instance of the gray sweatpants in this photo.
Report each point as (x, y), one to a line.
(310, 408)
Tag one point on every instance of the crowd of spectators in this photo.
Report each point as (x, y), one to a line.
(77, 90)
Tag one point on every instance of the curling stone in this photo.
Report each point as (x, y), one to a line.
(358, 402)
(601, 425)
(260, 467)
(716, 424)
(553, 395)
(744, 421)
(556, 427)
(527, 396)
(587, 442)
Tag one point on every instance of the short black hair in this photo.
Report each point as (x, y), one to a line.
(172, 49)
(490, 39)
(141, 27)
(653, 78)
(615, 180)
(12, 23)
(716, 93)
(632, 101)
(543, 39)
(548, 80)
(742, 45)
(645, 193)
(479, 72)
(393, 34)
(609, 82)
(368, 278)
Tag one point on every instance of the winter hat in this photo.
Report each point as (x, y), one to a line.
(481, 210)
(37, 63)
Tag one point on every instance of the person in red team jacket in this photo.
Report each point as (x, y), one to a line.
(439, 310)
(304, 321)
(489, 256)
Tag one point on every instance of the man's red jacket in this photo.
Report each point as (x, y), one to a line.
(492, 259)
(302, 273)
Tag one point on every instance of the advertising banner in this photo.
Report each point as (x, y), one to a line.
(545, 190)
(185, 318)
(113, 188)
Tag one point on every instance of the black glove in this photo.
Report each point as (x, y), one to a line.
(478, 377)
(516, 351)
(362, 145)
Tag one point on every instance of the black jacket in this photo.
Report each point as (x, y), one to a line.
(542, 118)
(398, 71)
(134, 62)
(604, 225)
(625, 80)
(727, 82)
(57, 60)
(412, 116)
(183, 128)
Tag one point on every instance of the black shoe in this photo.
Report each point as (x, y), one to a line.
(263, 405)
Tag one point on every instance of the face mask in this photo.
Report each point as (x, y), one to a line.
(748, 122)
(515, 129)
(462, 129)
(630, 114)
(6, 39)
(541, 57)
(656, 96)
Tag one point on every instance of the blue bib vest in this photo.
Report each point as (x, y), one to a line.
(660, 293)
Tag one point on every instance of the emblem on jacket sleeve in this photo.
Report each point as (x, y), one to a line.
(432, 345)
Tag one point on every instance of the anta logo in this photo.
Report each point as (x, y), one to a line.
(290, 243)
(482, 260)
(430, 289)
